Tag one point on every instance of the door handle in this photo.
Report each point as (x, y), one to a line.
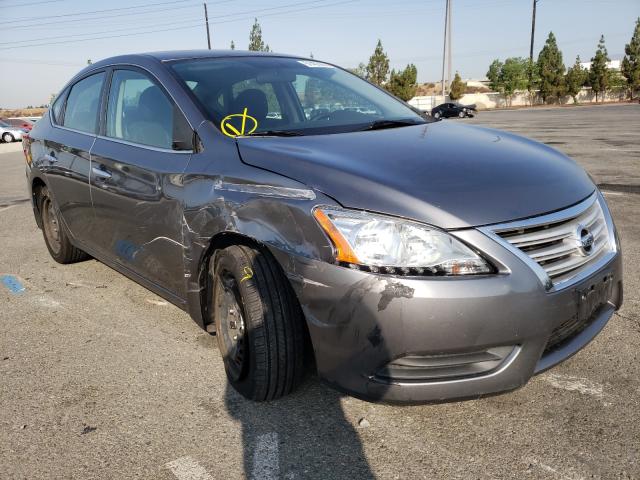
(99, 172)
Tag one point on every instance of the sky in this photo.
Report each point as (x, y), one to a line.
(45, 42)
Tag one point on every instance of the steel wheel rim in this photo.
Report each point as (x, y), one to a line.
(231, 326)
(51, 225)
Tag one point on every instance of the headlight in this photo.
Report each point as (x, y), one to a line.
(391, 245)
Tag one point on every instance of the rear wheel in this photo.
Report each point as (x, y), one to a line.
(55, 235)
(258, 323)
(7, 137)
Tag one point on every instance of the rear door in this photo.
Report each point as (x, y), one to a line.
(65, 158)
(136, 166)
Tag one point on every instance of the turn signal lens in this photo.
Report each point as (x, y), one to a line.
(344, 253)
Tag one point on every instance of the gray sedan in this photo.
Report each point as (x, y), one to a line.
(406, 260)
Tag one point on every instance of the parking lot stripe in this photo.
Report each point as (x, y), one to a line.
(186, 468)
(12, 284)
(266, 461)
(576, 384)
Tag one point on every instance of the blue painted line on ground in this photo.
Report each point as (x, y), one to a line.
(13, 284)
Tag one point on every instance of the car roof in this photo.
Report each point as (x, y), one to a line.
(173, 55)
(186, 54)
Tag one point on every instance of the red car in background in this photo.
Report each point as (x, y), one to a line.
(19, 123)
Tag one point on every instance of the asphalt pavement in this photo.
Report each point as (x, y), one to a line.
(100, 378)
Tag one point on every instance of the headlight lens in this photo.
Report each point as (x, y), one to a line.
(392, 245)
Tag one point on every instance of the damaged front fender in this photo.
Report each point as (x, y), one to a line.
(227, 201)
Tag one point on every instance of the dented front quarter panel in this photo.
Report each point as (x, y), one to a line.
(224, 196)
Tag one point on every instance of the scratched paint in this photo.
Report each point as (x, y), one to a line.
(12, 284)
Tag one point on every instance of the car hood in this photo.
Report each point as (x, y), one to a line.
(448, 175)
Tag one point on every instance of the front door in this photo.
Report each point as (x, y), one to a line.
(136, 168)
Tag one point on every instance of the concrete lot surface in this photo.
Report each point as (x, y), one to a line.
(99, 378)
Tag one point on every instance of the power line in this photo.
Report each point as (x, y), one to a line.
(18, 5)
(255, 12)
(99, 18)
(40, 62)
(91, 12)
(160, 10)
(66, 40)
(191, 19)
(344, 2)
(107, 36)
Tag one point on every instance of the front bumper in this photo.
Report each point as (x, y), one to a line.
(360, 322)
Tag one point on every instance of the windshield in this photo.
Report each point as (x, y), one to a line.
(275, 95)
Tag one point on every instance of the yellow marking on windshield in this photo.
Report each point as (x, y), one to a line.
(230, 131)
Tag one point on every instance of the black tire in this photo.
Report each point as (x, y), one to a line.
(54, 232)
(7, 137)
(461, 114)
(259, 323)
(437, 115)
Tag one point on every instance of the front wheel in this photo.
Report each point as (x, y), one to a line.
(259, 324)
(461, 114)
(437, 115)
(7, 137)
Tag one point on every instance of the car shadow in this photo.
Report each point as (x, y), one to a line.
(304, 435)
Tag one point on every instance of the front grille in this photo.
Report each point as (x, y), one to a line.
(563, 245)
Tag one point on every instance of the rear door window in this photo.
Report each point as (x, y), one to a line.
(83, 104)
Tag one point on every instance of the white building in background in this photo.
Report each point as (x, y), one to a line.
(613, 65)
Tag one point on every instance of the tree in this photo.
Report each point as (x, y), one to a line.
(533, 79)
(404, 83)
(509, 77)
(513, 76)
(232, 46)
(458, 87)
(494, 75)
(631, 60)
(599, 75)
(575, 79)
(256, 44)
(550, 70)
(378, 67)
(360, 70)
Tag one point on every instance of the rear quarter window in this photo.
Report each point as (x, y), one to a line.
(58, 106)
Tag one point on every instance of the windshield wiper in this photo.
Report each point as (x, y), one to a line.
(382, 124)
(277, 133)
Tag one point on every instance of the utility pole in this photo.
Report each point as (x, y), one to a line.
(206, 21)
(533, 30)
(449, 47)
(444, 47)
